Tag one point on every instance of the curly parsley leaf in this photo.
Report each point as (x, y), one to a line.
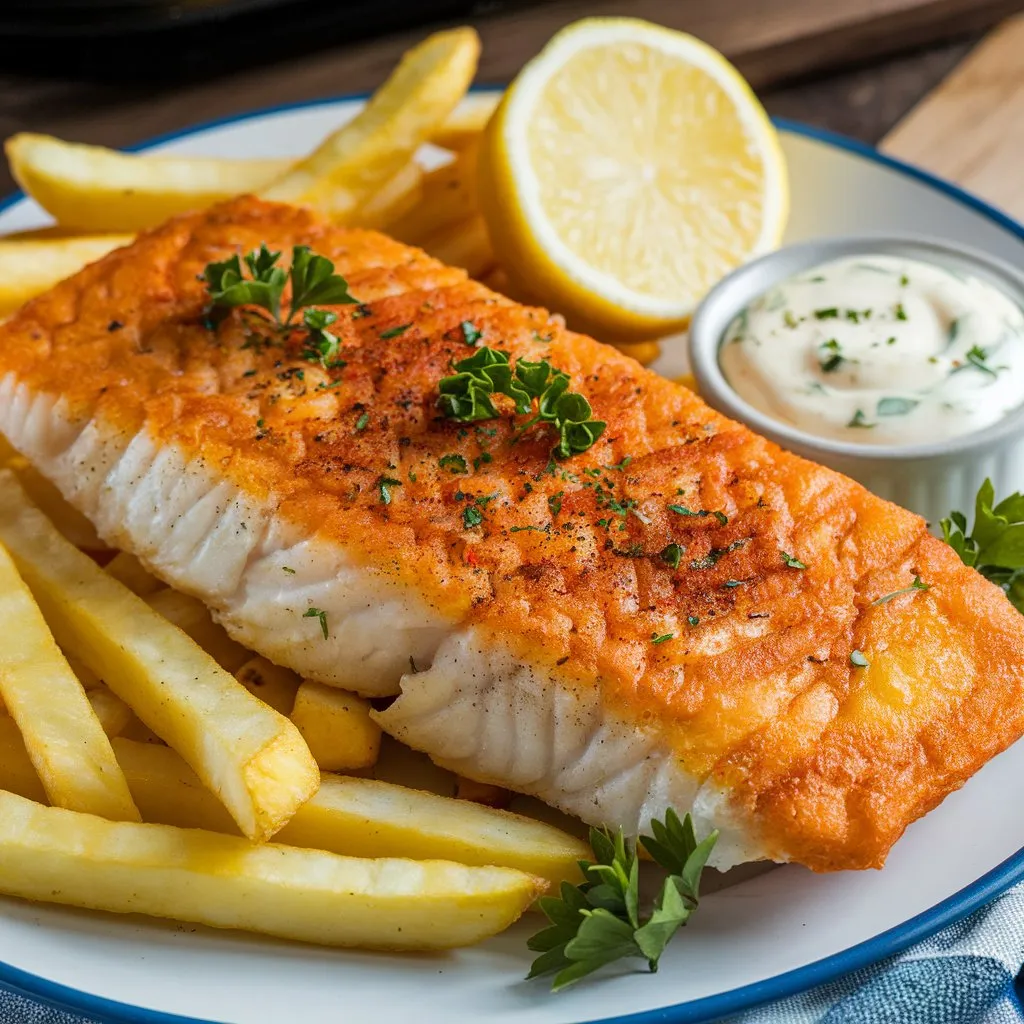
(468, 395)
(228, 286)
(314, 282)
(995, 546)
(599, 921)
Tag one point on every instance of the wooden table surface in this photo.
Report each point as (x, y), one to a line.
(797, 54)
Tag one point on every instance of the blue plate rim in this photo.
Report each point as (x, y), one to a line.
(708, 1008)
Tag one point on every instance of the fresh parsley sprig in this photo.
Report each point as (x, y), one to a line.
(535, 388)
(312, 278)
(599, 922)
(995, 545)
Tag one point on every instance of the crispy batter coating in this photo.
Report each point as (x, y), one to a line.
(571, 560)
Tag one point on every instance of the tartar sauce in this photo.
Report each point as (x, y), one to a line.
(879, 350)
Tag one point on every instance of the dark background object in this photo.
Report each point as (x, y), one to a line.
(855, 67)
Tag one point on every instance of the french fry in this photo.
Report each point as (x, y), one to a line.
(352, 163)
(113, 714)
(688, 381)
(58, 510)
(644, 352)
(128, 570)
(63, 736)
(273, 684)
(92, 189)
(336, 726)
(29, 268)
(463, 126)
(449, 196)
(193, 617)
(58, 856)
(253, 758)
(395, 199)
(465, 245)
(356, 817)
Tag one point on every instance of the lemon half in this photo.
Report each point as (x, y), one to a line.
(627, 169)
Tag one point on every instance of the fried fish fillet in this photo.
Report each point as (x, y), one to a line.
(671, 618)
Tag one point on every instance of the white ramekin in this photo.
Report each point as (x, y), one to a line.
(930, 479)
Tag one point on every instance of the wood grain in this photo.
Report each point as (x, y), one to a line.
(798, 37)
(971, 128)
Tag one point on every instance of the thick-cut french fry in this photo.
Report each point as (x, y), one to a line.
(273, 685)
(64, 738)
(688, 381)
(336, 726)
(253, 758)
(131, 572)
(394, 200)
(351, 164)
(463, 126)
(58, 856)
(191, 615)
(366, 818)
(28, 268)
(482, 793)
(465, 245)
(60, 512)
(357, 817)
(93, 189)
(113, 714)
(644, 352)
(449, 197)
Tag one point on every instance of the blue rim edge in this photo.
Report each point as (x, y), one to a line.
(708, 1008)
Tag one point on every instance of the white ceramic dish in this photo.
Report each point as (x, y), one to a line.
(929, 478)
(772, 935)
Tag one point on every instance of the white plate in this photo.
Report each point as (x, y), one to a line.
(773, 935)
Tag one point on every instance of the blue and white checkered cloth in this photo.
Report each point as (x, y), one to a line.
(962, 975)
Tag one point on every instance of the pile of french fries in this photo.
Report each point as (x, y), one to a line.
(150, 764)
(367, 173)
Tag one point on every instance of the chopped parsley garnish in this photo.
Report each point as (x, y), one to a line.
(322, 345)
(385, 483)
(598, 922)
(620, 465)
(482, 459)
(860, 420)
(904, 280)
(835, 358)
(472, 516)
(976, 357)
(555, 503)
(790, 319)
(682, 510)
(662, 638)
(953, 330)
(826, 314)
(896, 406)
(288, 569)
(470, 333)
(362, 421)
(693, 620)
(858, 660)
(899, 312)
(453, 463)
(468, 396)
(394, 332)
(672, 555)
(793, 563)
(317, 613)
(918, 584)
